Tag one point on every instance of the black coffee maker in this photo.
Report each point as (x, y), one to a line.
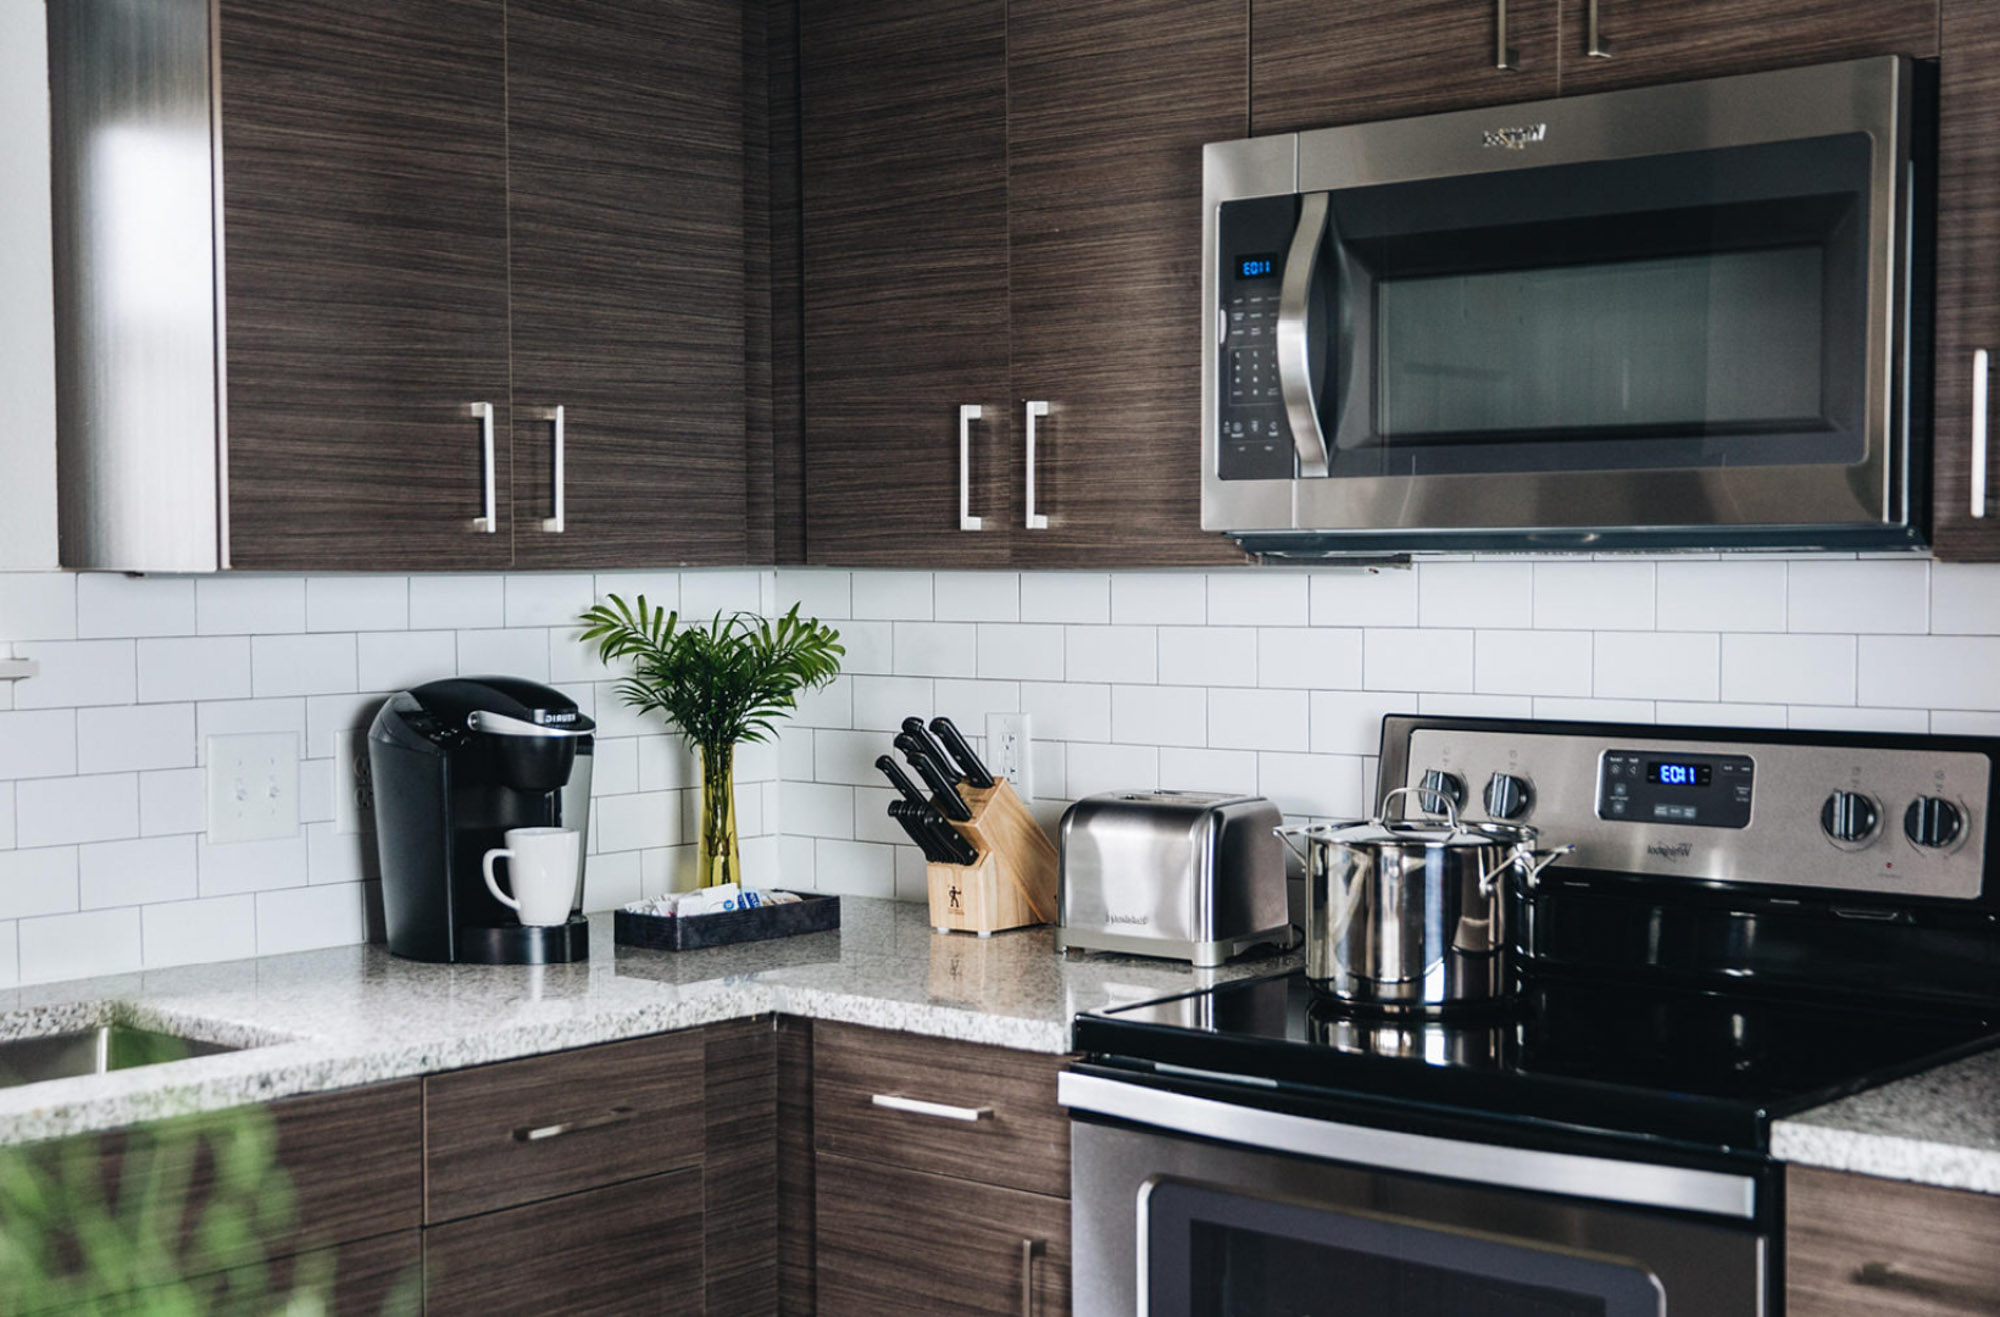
(456, 763)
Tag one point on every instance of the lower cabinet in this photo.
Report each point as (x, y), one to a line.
(1857, 1244)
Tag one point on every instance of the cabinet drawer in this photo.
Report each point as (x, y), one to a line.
(632, 1248)
(1856, 1244)
(512, 1133)
(893, 1241)
(864, 1081)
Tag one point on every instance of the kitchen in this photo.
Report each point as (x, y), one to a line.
(794, 265)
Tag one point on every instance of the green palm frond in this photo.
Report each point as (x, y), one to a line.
(731, 679)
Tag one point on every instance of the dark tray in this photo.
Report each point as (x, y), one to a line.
(811, 913)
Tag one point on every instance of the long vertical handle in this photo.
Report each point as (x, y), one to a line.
(1294, 336)
(1036, 521)
(489, 523)
(1594, 44)
(554, 522)
(1030, 1250)
(1504, 56)
(1978, 482)
(967, 414)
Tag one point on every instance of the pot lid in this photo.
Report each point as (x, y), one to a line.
(1427, 831)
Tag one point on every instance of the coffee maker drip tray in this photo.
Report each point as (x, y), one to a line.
(519, 944)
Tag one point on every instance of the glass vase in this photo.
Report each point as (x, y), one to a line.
(721, 861)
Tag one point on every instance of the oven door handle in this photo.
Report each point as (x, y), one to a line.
(1295, 337)
(1569, 1175)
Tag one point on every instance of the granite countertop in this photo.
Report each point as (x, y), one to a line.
(321, 1020)
(1940, 1128)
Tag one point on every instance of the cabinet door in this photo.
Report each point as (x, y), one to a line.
(895, 1241)
(1645, 41)
(625, 173)
(632, 1248)
(1856, 1244)
(904, 123)
(1110, 102)
(364, 196)
(1313, 63)
(1968, 275)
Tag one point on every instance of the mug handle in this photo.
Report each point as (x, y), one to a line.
(492, 883)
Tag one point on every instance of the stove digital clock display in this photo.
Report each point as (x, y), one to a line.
(1667, 773)
(1688, 791)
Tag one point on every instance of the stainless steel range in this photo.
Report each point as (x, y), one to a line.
(1753, 924)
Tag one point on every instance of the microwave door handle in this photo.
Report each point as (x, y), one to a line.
(1294, 335)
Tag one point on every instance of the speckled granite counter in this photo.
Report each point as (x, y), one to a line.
(1939, 1128)
(356, 1015)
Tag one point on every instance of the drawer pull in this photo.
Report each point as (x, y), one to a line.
(918, 1107)
(537, 1133)
(1886, 1276)
(1030, 1250)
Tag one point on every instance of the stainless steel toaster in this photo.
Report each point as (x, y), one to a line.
(1185, 875)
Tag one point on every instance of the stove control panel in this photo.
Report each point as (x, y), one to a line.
(1904, 821)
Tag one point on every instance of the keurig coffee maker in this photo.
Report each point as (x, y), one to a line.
(457, 763)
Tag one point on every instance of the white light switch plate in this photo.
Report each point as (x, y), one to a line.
(253, 787)
(353, 784)
(1009, 751)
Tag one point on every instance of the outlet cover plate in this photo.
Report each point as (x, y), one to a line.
(1010, 751)
(253, 787)
(353, 784)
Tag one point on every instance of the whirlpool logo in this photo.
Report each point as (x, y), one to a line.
(1679, 850)
(1517, 138)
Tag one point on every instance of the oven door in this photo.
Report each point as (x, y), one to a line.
(1187, 1206)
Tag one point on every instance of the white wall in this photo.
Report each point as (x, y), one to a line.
(27, 345)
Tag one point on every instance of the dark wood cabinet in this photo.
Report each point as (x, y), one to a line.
(1314, 64)
(1968, 277)
(1857, 1244)
(1650, 41)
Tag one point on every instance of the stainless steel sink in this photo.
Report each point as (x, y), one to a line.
(95, 1051)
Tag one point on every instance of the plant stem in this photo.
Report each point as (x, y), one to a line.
(720, 861)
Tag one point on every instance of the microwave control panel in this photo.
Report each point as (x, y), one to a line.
(1255, 442)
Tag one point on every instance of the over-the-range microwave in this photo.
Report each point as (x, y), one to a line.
(1692, 316)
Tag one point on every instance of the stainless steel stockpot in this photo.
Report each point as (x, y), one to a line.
(1413, 915)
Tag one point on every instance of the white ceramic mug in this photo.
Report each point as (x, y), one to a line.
(541, 868)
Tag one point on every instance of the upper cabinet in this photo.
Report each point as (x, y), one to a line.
(1628, 43)
(443, 224)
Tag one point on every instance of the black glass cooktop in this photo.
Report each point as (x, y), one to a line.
(1698, 1067)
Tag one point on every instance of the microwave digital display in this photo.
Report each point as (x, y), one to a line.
(1262, 265)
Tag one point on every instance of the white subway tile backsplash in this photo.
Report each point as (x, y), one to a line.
(1020, 651)
(1837, 719)
(912, 875)
(1094, 769)
(632, 823)
(1076, 597)
(1766, 669)
(253, 866)
(1112, 653)
(1930, 672)
(1319, 658)
(1412, 660)
(1965, 722)
(1476, 594)
(848, 758)
(56, 811)
(208, 668)
(1163, 598)
(1458, 704)
(1365, 597)
(1533, 662)
(79, 945)
(815, 809)
(249, 605)
(1562, 709)
(871, 816)
(1209, 770)
(658, 589)
(1677, 713)
(357, 603)
(668, 763)
(1207, 656)
(340, 857)
(136, 872)
(818, 592)
(38, 882)
(977, 597)
(510, 652)
(172, 800)
(79, 672)
(870, 647)
(937, 649)
(1721, 596)
(6, 816)
(552, 599)
(706, 593)
(854, 868)
(396, 660)
(1049, 762)
(38, 606)
(881, 703)
(1657, 666)
(199, 932)
(892, 596)
(302, 665)
(308, 918)
(610, 881)
(1253, 598)
(1350, 722)
(38, 743)
(458, 603)
(1323, 786)
(109, 604)
(832, 705)
(967, 702)
(1965, 599)
(135, 736)
(1159, 715)
(1594, 596)
(1067, 712)
(1258, 720)
(328, 717)
(1845, 597)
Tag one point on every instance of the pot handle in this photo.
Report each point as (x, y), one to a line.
(1285, 835)
(1540, 861)
(1450, 809)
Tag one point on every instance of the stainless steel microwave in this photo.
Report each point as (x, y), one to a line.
(1681, 317)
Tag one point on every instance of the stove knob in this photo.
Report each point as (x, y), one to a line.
(1933, 822)
(1507, 797)
(1437, 783)
(1849, 816)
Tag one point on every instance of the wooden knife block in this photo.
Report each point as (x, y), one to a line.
(1013, 882)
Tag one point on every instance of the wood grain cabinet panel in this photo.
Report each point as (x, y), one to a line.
(625, 196)
(1856, 1244)
(1968, 276)
(904, 158)
(364, 191)
(899, 1241)
(1314, 64)
(1110, 103)
(1651, 41)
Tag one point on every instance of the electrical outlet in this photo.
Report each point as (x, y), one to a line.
(1009, 749)
(353, 784)
(253, 787)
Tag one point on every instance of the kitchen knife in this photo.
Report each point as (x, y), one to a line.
(903, 812)
(945, 795)
(973, 771)
(951, 847)
(914, 728)
(900, 780)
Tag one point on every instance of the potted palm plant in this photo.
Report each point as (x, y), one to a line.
(721, 683)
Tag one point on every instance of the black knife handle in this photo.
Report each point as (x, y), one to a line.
(904, 812)
(899, 780)
(975, 772)
(944, 795)
(914, 728)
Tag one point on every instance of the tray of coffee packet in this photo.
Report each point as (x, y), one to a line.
(811, 913)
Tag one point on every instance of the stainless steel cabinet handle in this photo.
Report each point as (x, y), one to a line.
(554, 522)
(489, 523)
(1594, 44)
(1504, 55)
(1294, 345)
(1036, 521)
(967, 414)
(1030, 1250)
(1978, 481)
(918, 1107)
(537, 1133)
(1887, 1276)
